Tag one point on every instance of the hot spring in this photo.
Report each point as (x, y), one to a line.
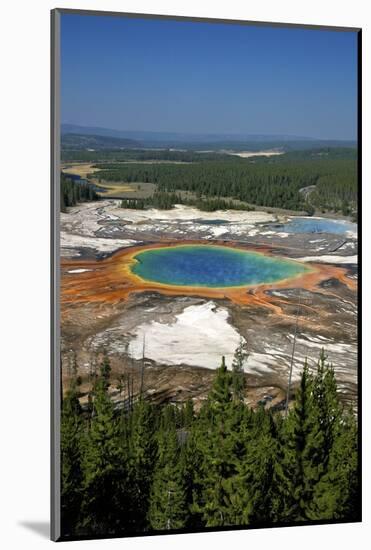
(299, 224)
(212, 266)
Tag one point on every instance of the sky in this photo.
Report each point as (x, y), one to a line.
(190, 77)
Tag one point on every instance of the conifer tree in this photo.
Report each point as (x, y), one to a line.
(329, 409)
(71, 474)
(215, 447)
(255, 489)
(221, 392)
(190, 464)
(105, 370)
(238, 378)
(104, 467)
(188, 413)
(303, 444)
(168, 501)
(320, 452)
(336, 495)
(142, 459)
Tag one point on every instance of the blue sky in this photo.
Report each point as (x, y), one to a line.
(157, 75)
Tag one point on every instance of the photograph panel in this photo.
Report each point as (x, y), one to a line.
(206, 189)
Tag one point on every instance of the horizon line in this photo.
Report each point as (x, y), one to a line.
(205, 133)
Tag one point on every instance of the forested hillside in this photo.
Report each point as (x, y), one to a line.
(272, 183)
(82, 141)
(148, 468)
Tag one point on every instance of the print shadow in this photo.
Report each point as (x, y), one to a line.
(41, 528)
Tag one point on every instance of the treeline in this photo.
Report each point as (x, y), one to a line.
(142, 155)
(146, 468)
(211, 205)
(166, 201)
(271, 183)
(161, 200)
(72, 193)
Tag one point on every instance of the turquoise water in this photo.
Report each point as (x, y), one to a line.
(212, 266)
(316, 225)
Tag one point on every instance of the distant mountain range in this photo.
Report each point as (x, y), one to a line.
(77, 137)
(74, 141)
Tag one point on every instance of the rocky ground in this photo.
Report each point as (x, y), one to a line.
(182, 338)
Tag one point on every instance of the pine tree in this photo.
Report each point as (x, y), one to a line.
(71, 474)
(105, 370)
(303, 445)
(238, 378)
(190, 462)
(168, 500)
(336, 495)
(142, 459)
(255, 489)
(188, 414)
(221, 392)
(104, 468)
(329, 409)
(215, 449)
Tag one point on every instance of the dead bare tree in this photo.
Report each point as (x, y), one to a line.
(292, 356)
(142, 367)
